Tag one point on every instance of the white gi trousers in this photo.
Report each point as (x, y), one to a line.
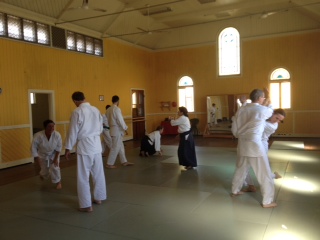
(261, 168)
(48, 169)
(117, 148)
(86, 165)
(248, 180)
(107, 139)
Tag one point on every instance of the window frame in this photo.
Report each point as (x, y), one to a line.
(29, 31)
(223, 60)
(186, 87)
(278, 83)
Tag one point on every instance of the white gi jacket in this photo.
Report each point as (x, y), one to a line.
(269, 129)
(45, 149)
(183, 124)
(116, 121)
(155, 138)
(251, 120)
(84, 129)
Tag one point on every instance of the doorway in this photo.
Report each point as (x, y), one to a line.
(41, 108)
(138, 114)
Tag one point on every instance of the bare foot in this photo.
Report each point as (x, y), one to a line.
(270, 205)
(97, 202)
(237, 194)
(127, 164)
(277, 175)
(250, 188)
(87, 209)
(59, 186)
(110, 166)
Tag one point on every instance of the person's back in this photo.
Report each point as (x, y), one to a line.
(251, 121)
(90, 119)
(89, 124)
(117, 129)
(84, 130)
(115, 119)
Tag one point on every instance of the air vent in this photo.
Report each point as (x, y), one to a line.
(58, 37)
(206, 1)
(153, 11)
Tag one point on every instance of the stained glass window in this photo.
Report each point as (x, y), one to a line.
(280, 88)
(186, 93)
(229, 52)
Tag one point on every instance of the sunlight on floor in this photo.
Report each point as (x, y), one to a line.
(300, 185)
(290, 145)
(286, 236)
(291, 156)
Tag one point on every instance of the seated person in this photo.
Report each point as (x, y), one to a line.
(151, 143)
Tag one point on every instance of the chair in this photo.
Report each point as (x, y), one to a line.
(194, 126)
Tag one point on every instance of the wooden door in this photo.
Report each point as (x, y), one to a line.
(138, 114)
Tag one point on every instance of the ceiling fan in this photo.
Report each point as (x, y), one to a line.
(148, 31)
(264, 15)
(85, 6)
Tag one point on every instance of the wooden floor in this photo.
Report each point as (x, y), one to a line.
(13, 174)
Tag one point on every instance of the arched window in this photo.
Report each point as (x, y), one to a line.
(229, 52)
(185, 92)
(280, 88)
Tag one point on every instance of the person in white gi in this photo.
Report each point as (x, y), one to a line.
(250, 120)
(84, 130)
(106, 132)
(213, 111)
(271, 126)
(117, 129)
(186, 150)
(46, 147)
(151, 143)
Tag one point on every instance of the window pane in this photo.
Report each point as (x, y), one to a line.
(80, 43)
(185, 81)
(2, 25)
(285, 95)
(134, 98)
(275, 94)
(182, 97)
(43, 34)
(71, 42)
(29, 30)
(32, 98)
(280, 74)
(14, 27)
(97, 47)
(229, 52)
(89, 45)
(189, 99)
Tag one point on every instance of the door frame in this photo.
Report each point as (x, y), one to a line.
(144, 106)
(51, 102)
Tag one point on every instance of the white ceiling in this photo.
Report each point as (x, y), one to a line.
(187, 23)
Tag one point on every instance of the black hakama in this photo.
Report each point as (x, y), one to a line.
(146, 147)
(186, 151)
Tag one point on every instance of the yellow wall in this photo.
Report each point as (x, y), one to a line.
(26, 66)
(299, 54)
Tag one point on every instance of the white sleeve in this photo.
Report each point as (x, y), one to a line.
(73, 131)
(157, 141)
(120, 120)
